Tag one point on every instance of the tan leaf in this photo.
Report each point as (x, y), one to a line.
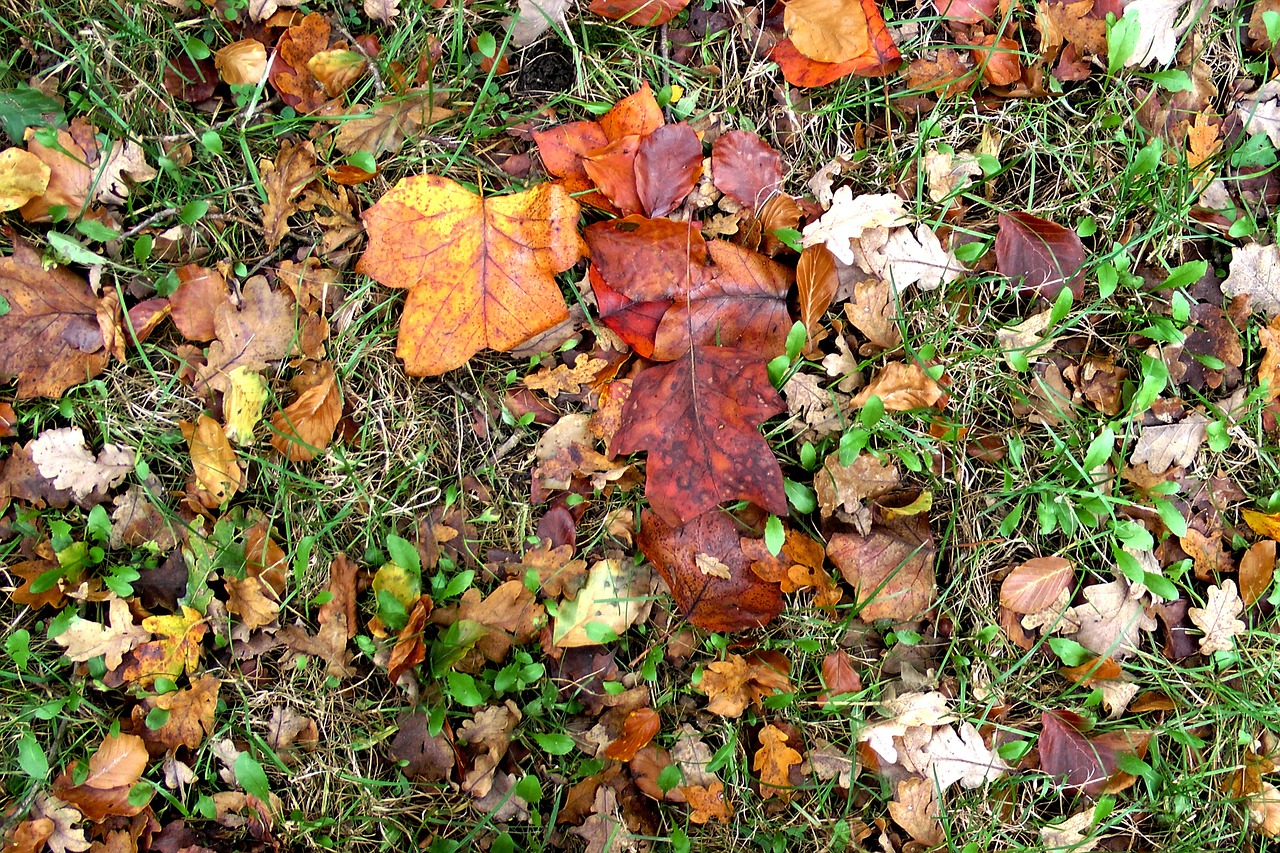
(124, 167)
(831, 763)
(260, 331)
(773, 761)
(1255, 271)
(1164, 445)
(382, 11)
(389, 123)
(217, 472)
(1217, 619)
(873, 311)
(253, 601)
(190, 717)
(1264, 810)
(336, 70)
(70, 176)
(565, 379)
(201, 293)
(1208, 552)
(1257, 568)
(1111, 622)
(845, 486)
(734, 682)
(915, 809)
(65, 835)
(891, 568)
(306, 426)
(491, 729)
(946, 174)
(616, 596)
(901, 387)
(260, 10)
(1070, 834)
(816, 284)
(23, 176)
(85, 639)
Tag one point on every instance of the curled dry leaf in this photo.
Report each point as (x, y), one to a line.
(189, 719)
(241, 63)
(305, 428)
(479, 271)
(260, 331)
(844, 487)
(384, 127)
(115, 766)
(217, 472)
(1111, 621)
(734, 682)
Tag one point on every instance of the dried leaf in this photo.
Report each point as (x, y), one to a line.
(261, 331)
(773, 761)
(615, 596)
(63, 458)
(1042, 255)
(1163, 446)
(217, 471)
(189, 720)
(241, 63)
(23, 176)
(891, 568)
(305, 428)
(1037, 584)
(746, 168)
(115, 766)
(84, 639)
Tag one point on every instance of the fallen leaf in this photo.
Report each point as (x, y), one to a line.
(844, 487)
(1162, 446)
(65, 835)
(816, 284)
(23, 176)
(535, 17)
(194, 305)
(740, 602)
(1257, 569)
(708, 803)
(305, 427)
(1036, 584)
(122, 169)
(604, 830)
(829, 763)
(832, 30)
(70, 175)
(178, 649)
(890, 568)
(615, 596)
(668, 164)
(189, 719)
(948, 174)
(1255, 272)
(294, 168)
(1217, 619)
(1210, 556)
(382, 11)
(218, 475)
(492, 729)
(337, 69)
(746, 168)
(1159, 25)
(998, 59)
(640, 727)
(638, 13)
(479, 270)
(384, 127)
(289, 74)
(773, 761)
(262, 330)
(1070, 834)
(243, 403)
(1086, 763)
(115, 766)
(428, 758)
(64, 459)
(905, 711)
(698, 422)
(1042, 255)
(733, 683)
(1264, 810)
(901, 387)
(241, 63)
(1111, 621)
(839, 676)
(915, 809)
(84, 639)
(50, 338)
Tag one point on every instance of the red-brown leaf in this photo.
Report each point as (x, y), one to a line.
(647, 260)
(637, 113)
(698, 420)
(741, 602)
(635, 322)
(563, 148)
(1044, 254)
(816, 283)
(1087, 763)
(612, 169)
(1036, 584)
(745, 168)
(667, 168)
(891, 567)
(638, 13)
(839, 676)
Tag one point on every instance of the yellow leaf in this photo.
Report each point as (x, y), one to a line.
(479, 271)
(23, 176)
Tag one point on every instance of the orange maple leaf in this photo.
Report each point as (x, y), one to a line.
(479, 271)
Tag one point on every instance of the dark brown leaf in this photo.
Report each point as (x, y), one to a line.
(667, 167)
(1045, 256)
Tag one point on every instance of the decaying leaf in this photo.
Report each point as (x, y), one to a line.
(734, 682)
(84, 639)
(1035, 585)
(1163, 446)
(115, 766)
(23, 176)
(891, 567)
(773, 761)
(305, 428)
(1111, 621)
(479, 271)
(1255, 272)
(217, 471)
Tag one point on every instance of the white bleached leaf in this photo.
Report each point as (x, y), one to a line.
(62, 457)
(382, 11)
(1260, 111)
(85, 639)
(849, 218)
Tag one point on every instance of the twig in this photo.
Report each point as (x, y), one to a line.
(664, 49)
(378, 86)
(148, 222)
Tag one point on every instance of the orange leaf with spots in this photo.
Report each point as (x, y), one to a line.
(479, 271)
(639, 728)
(710, 578)
(698, 419)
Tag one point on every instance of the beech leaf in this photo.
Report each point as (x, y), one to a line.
(1043, 255)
